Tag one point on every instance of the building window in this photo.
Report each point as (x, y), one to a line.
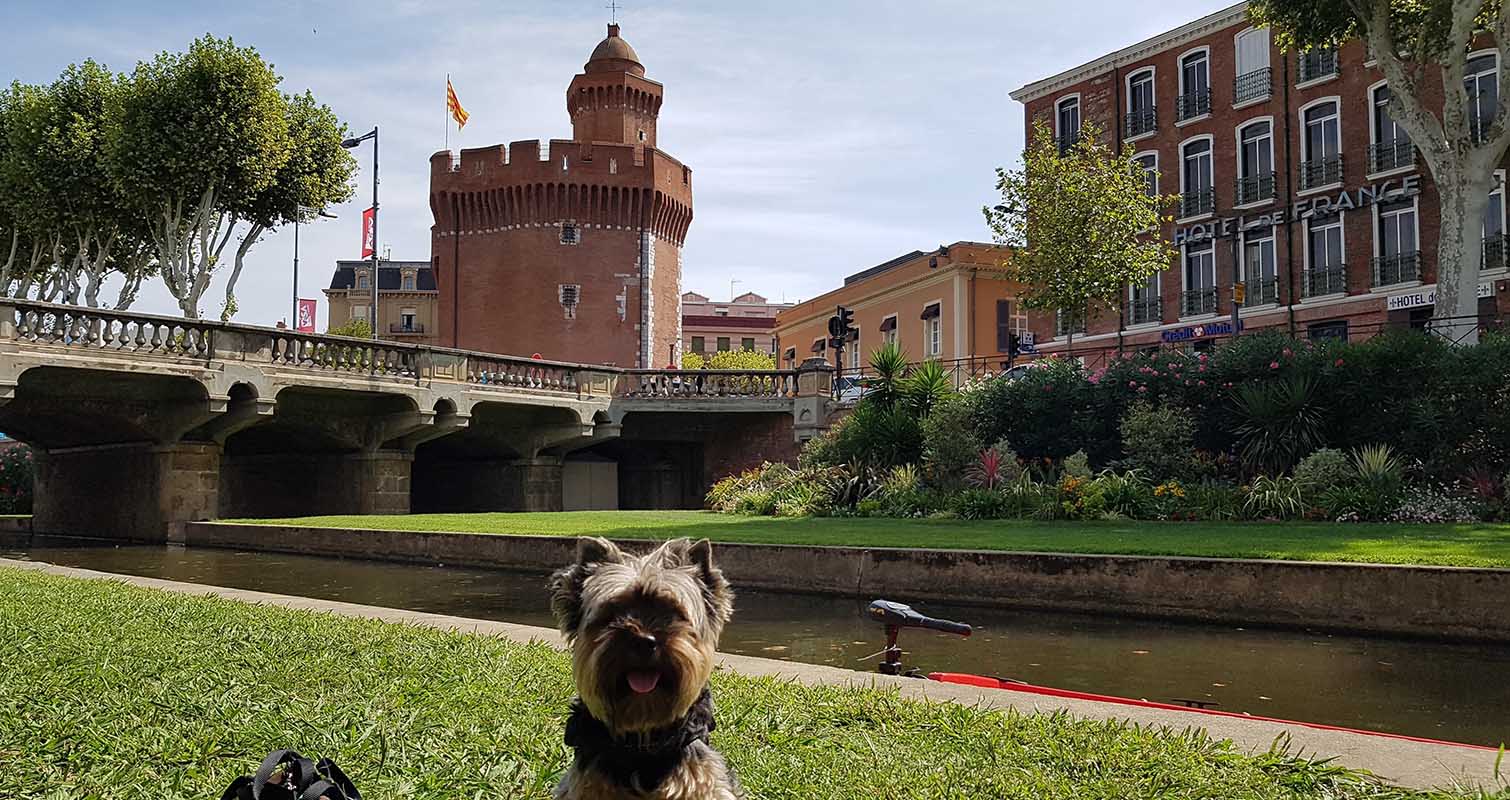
(570, 234)
(1398, 259)
(1255, 163)
(1255, 79)
(889, 330)
(1141, 114)
(1196, 194)
(1391, 148)
(1322, 153)
(569, 295)
(790, 356)
(933, 331)
(1332, 329)
(359, 313)
(1067, 123)
(854, 350)
(747, 344)
(406, 321)
(1481, 80)
(1317, 64)
(1200, 279)
(820, 347)
(699, 345)
(1195, 86)
(408, 282)
(1325, 272)
(723, 344)
(642, 136)
(1494, 226)
(362, 282)
(1260, 271)
(1150, 163)
(1143, 302)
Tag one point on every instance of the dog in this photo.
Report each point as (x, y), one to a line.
(643, 632)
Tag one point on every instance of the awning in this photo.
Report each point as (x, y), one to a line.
(791, 353)
(818, 346)
(931, 311)
(889, 324)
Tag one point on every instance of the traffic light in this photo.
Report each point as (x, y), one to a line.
(846, 321)
(1014, 346)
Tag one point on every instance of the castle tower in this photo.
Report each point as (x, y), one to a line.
(573, 249)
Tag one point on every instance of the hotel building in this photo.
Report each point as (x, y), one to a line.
(1292, 179)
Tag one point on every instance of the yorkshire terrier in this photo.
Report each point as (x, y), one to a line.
(643, 632)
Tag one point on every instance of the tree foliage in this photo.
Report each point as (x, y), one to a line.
(1081, 223)
(1422, 48)
(729, 359)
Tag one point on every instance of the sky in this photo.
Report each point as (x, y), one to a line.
(824, 137)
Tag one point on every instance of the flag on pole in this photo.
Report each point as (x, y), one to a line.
(368, 245)
(306, 321)
(454, 106)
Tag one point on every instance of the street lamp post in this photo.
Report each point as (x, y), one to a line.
(299, 217)
(349, 144)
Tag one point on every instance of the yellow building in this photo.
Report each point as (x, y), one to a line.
(954, 304)
(407, 299)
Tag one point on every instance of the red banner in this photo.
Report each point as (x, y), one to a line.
(306, 321)
(368, 246)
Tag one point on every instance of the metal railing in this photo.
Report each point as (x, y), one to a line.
(1262, 292)
(1254, 85)
(1194, 302)
(1198, 202)
(1383, 156)
(1315, 64)
(1320, 171)
(1192, 104)
(1142, 121)
(1495, 249)
(1319, 282)
(1254, 188)
(115, 333)
(1066, 141)
(777, 383)
(1143, 311)
(399, 327)
(1066, 324)
(1398, 268)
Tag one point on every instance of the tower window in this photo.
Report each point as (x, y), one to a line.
(570, 233)
(569, 294)
(642, 136)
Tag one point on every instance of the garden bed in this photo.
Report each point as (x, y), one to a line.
(1461, 545)
(112, 691)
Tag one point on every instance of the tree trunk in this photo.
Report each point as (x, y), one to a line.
(1460, 256)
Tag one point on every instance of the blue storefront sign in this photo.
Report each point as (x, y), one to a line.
(1200, 331)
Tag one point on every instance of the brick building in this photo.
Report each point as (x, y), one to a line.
(747, 322)
(953, 304)
(406, 298)
(570, 249)
(1292, 178)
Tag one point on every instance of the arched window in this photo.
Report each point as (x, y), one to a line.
(1255, 162)
(1391, 148)
(1141, 115)
(1321, 155)
(1196, 194)
(1067, 122)
(1481, 79)
(1195, 85)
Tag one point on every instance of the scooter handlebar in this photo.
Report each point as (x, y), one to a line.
(902, 615)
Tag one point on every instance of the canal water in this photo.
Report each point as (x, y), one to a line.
(1458, 692)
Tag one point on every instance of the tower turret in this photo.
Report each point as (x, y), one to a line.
(612, 100)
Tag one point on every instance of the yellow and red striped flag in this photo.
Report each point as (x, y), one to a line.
(454, 106)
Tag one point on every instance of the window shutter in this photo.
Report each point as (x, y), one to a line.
(1003, 325)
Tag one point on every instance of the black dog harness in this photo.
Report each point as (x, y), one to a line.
(639, 761)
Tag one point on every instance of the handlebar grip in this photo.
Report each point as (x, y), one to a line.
(946, 626)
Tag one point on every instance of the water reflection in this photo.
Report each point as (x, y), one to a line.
(1448, 691)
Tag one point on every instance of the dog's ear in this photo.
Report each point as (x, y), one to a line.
(716, 590)
(566, 584)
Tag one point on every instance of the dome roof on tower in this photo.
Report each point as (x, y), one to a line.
(613, 54)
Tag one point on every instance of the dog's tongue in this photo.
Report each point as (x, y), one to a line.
(643, 681)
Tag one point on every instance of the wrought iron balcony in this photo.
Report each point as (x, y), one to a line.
(1384, 156)
(1254, 85)
(1262, 292)
(1142, 121)
(1066, 141)
(1254, 188)
(1316, 64)
(1192, 104)
(400, 327)
(1398, 268)
(1144, 310)
(1066, 324)
(1495, 249)
(1198, 202)
(1320, 172)
(1331, 280)
(1195, 302)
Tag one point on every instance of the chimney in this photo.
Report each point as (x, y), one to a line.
(613, 30)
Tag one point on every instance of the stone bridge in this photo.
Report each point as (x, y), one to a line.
(141, 423)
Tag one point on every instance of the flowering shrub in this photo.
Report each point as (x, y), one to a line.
(16, 474)
(1432, 504)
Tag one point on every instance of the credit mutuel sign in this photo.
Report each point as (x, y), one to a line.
(1382, 192)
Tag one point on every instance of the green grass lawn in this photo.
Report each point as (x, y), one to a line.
(110, 691)
(1472, 545)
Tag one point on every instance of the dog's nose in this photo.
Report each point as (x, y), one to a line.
(645, 642)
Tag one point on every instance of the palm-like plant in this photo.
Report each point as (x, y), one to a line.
(888, 367)
(987, 472)
(925, 387)
(1279, 423)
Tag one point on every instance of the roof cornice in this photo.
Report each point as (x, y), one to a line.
(1164, 41)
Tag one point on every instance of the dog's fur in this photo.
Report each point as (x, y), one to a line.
(658, 614)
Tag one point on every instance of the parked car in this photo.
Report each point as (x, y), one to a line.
(850, 388)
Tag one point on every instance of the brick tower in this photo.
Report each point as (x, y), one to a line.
(572, 250)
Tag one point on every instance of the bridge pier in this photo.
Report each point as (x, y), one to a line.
(130, 491)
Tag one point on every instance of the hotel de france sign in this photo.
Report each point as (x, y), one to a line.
(1382, 192)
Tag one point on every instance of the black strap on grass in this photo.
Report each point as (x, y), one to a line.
(301, 779)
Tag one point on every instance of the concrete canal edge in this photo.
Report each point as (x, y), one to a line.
(1433, 602)
(1416, 764)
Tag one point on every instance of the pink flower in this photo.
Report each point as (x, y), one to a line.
(1173, 365)
(1200, 383)
(1202, 357)
(1288, 352)
(1228, 384)
(1131, 384)
(1142, 389)
(1201, 368)
(1337, 363)
(1273, 365)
